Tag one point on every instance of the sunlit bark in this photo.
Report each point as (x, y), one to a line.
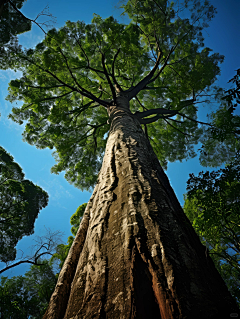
(136, 254)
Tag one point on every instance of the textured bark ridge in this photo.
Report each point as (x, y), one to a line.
(136, 254)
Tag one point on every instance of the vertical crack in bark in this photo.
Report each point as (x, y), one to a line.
(103, 314)
(144, 302)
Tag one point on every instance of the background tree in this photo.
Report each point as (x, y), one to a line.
(12, 23)
(27, 296)
(212, 200)
(84, 81)
(221, 139)
(212, 205)
(20, 204)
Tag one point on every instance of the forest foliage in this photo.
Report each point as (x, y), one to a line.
(71, 77)
(212, 205)
(20, 204)
(212, 201)
(27, 296)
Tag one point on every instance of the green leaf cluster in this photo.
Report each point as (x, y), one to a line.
(20, 203)
(212, 205)
(11, 24)
(27, 296)
(71, 77)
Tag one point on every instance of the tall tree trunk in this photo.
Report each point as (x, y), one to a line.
(136, 254)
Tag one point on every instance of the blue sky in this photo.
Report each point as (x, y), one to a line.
(222, 36)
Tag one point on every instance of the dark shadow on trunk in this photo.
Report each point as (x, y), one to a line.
(144, 303)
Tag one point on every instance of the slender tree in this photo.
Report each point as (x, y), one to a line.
(135, 253)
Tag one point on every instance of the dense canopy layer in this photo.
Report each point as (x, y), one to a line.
(74, 74)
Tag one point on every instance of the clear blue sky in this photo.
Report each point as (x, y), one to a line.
(222, 36)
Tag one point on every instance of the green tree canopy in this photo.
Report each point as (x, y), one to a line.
(74, 74)
(20, 203)
(212, 204)
(27, 296)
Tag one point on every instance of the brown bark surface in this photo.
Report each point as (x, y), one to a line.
(136, 254)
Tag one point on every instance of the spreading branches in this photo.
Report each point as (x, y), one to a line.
(88, 62)
(83, 91)
(163, 113)
(73, 88)
(44, 12)
(79, 88)
(137, 88)
(45, 245)
(163, 66)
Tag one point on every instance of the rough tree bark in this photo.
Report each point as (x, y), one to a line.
(136, 254)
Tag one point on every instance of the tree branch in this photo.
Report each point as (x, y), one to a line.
(150, 120)
(144, 108)
(154, 87)
(178, 60)
(137, 88)
(194, 120)
(45, 87)
(108, 79)
(88, 62)
(55, 97)
(113, 75)
(155, 111)
(160, 8)
(92, 97)
(88, 94)
(26, 261)
(186, 134)
(83, 91)
(149, 42)
(19, 263)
